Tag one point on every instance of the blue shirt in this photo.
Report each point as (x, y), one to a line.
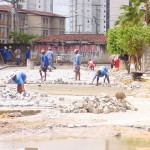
(44, 60)
(4, 54)
(9, 54)
(27, 54)
(20, 78)
(104, 72)
(77, 59)
(50, 55)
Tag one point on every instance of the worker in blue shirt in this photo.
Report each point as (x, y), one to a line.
(18, 78)
(44, 64)
(77, 63)
(9, 54)
(28, 55)
(103, 71)
(4, 53)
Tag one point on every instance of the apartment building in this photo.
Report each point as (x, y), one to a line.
(39, 5)
(115, 10)
(31, 22)
(94, 16)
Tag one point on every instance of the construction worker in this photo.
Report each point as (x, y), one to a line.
(18, 78)
(103, 71)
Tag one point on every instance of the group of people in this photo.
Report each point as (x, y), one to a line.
(7, 54)
(47, 58)
(101, 72)
(115, 61)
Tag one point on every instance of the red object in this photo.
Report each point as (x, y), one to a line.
(117, 63)
(42, 51)
(91, 64)
(76, 50)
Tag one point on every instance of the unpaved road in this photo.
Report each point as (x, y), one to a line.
(88, 90)
(49, 124)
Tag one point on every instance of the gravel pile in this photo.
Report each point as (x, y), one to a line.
(99, 104)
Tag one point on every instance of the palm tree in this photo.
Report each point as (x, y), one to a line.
(132, 13)
(22, 37)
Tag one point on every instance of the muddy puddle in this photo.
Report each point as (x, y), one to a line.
(77, 144)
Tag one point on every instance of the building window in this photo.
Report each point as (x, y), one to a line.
(45, 20)
(45, 32)
(104, 27)
(2, 16)
(21, 30)
(39, 6)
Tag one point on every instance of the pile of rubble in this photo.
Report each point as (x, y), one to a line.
(99, 104)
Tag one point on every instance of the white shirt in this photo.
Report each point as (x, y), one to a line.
(17, 53)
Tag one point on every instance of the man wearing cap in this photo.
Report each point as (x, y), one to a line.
(103, 71)
(44, 64)
(77, 63)
(18, 78)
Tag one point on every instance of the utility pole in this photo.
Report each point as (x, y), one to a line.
(79, 28)
(96, 18)
(14, 14)
(76, 16)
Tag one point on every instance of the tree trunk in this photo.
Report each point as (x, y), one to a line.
(135, 63)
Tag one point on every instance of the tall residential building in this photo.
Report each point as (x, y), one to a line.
(94, 16)
(115, 10)
(39, 5)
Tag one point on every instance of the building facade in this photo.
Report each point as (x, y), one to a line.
(31, 22)
(39, 5)
(91, 46)
(94, 16)
(115, 10)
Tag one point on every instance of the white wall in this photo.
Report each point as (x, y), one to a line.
(115, 10)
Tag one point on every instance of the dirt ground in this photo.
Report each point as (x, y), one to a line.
(90, 90)
(39, 126)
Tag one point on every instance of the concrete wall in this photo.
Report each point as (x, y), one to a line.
(55, 26)
(34, 24)
(146, 60)
(95, 52)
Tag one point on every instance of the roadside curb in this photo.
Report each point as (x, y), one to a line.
(4, 67)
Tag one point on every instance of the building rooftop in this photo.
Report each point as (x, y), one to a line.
(90, 38)
(7, 8)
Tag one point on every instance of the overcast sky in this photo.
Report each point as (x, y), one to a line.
(62, 7)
